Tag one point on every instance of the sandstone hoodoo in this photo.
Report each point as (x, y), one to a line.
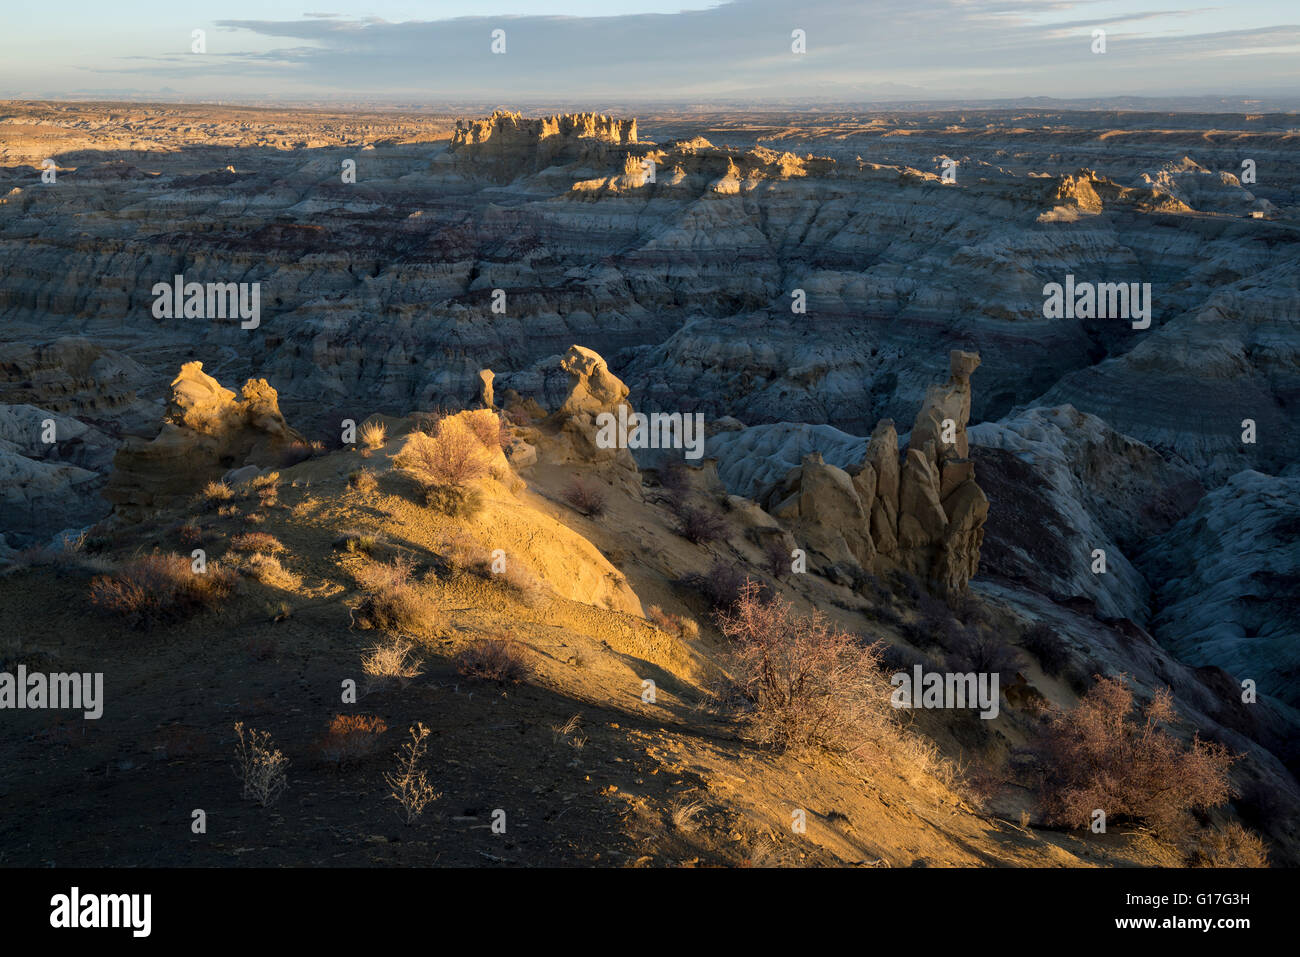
(925, 516)
(206, 431)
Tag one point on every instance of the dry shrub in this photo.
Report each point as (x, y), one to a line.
(809, 684)
(190, 534)
(160, 589)
(409, 786)
(299, 451)
(349, 738)
(391, 601)
(267, 570)
(701, 525)
(363, 481)
(494, 659)
(256, 542)
(1099, 756)
(451, 456)
(391, 662)
(721, 585)
(974, 649)
(1047, 647)
(260, 765)
(1232, 846)
(259, 483)
(776, 558)
(585, 498)
(487, 428)
(454, 501)
(373, 434)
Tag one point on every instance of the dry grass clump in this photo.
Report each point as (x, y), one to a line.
(214, 493)
(298, 451)
(809, 685)
(452, 456)
(357, 542)
(494, 659)
(256, 542)
(1232, 846)
(260, 765)
(1101, 756)
(373, 434)
(267, 570)
(364, 481)
(678, 625)
(190, 534)
(158, 589)
(391, 600)
(409, 785)
(585, 498)
(393, 661)
(350, 738)
(520, 580)
(260, 483)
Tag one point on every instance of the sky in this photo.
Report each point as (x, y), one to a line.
(694, 51)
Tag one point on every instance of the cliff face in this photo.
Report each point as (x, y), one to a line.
(507, 144)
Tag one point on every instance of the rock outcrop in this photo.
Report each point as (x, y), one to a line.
(924, 515)
(507, 144)
(571, 432)
(205, 433)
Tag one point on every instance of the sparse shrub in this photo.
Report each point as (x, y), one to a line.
(453, 456)
(966, 607)
(260, 765)
(190, 534)
(935, 625)
(350, 738)
(907, 586)
(1099, 756)
(1232, 846)
(373, 434)
(254, 518)
(978, 651)
(454, 500)
(391, 601)
(459, 552)
(584, 497)
(811, 685)
(409, 785)
(721, 585)
(158, 589)
(1046, 646)
(364, 481)
(267, 570)
(256, 542)
(493, 659)
(676, 480)
(230, 511)
(356, 542)
(701, 525)
(391, 662)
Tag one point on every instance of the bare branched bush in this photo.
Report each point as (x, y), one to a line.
(160, 589)
(1047, 647)
(373, 434)
(487, 428)
(1100, 756)
(260, 765)
(350, 738)
(810, 684)
(776, 559)
(493, 659)
(391, 600)
(584, 497)
(721, 585)
(410, 785)
(452, 456)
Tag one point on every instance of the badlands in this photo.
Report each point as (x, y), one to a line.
(854, 302)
